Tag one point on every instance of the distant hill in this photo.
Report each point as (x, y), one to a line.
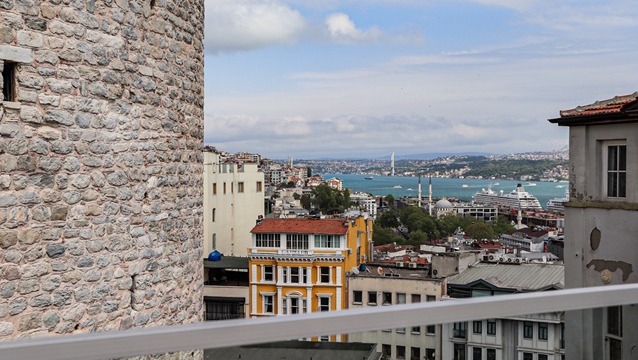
(434, 155)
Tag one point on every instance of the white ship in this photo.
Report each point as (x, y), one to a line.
(558, 204)
(517, 198)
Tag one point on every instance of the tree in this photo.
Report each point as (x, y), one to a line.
(407, 211)
(389, 199)
(328, 199)
(417, 238)
(381, 236)
(478, 229)
(448, 224)
(388, 219)
(296, 196)
(309, 173)
(502, 225)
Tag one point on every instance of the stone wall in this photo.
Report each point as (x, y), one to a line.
(101, 165)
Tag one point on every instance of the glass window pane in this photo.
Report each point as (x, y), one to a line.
(622, 157)
(622, 184)
(612, 185)
(612, 155)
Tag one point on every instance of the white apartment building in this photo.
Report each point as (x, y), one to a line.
(233, 201)
(530, 337)
(372, 286)
(365, 202)
(601, 223)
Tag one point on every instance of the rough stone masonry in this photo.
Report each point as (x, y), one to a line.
(100, 165)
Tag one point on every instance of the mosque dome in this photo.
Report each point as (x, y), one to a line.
(443, 204)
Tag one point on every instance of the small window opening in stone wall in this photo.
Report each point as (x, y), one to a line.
(9, 81)
(152, 4)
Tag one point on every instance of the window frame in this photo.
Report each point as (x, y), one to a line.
(607, 145)
(259, 186)
(372, 294)
(491, 327)
(297, 242)
(325, 278)
(528, 330)
(267, 272)
(490, 354)
(264, 303)
(477, 353)
(357, 294)
(543, 331)
(477, 326)
(240, 187)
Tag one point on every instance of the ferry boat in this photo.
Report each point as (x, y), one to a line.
(517, 198)
(368, 177)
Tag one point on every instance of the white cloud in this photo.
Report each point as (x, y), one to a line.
(236, 25)
(342, 29)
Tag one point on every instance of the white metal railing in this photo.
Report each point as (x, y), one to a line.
(216, 334)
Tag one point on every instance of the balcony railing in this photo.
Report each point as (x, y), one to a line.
(205, 335)
(295, 252)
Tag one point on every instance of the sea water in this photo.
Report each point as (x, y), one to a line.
(463, 189)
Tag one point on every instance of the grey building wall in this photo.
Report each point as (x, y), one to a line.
(101, 165)
(600, 237)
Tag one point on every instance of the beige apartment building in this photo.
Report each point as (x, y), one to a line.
(233, 202)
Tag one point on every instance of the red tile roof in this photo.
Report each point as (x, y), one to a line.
(610, 106)
(301, 226)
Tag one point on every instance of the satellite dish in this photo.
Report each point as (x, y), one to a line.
(355, 270)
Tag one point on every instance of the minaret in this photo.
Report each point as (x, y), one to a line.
(430, 195)
(392, 163)
(419, 191)
(519, 217)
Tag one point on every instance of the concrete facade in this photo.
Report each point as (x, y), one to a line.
(371, 286)
(100, 166)
(233, 201)
(600, 229)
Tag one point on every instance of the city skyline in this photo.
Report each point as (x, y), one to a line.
(340, 79)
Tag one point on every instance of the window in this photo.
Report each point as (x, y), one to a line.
(415, 353)
(429, 298)
(528, 330)
(430, 329)
(324, 303)
(416, 298)
(400, 298)
(614, 320)
(224, 188)
(541, 357)
(268, 303)
(528, 356)
(214, 241)
(429, 354)
(386, 350)
(214, 188)
(324, 274)
(477, 327)
(259, 189)
(372, 297)
(416, 330)
(400, 352)
(617, 170)
(542, 331)
(491, 354)
(491, 327)
(294, 305)
(240, 187)
(477, 353)
(460, 330)
(269, 273)
(213, 214)
(387, 298)
(327, 241)
(267, 240)
(297, 241)
(324, 338)
(9, 82)
(459, 351)
(294, 275)
(357, 296)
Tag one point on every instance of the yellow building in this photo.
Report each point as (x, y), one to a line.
(299, 265)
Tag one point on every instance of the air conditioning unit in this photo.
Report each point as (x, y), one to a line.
(412, 265)
(400, 263)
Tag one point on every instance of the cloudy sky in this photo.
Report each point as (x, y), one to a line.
(363, 78)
